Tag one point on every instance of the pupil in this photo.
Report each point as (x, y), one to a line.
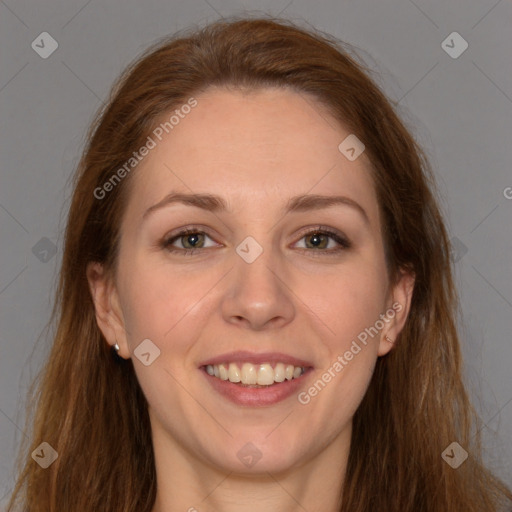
(316, 239)
(194, 237)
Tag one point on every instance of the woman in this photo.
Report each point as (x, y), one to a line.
(256, 307)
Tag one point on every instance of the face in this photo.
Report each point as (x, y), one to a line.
(284, 280)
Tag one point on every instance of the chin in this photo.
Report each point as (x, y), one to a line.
(255, 457)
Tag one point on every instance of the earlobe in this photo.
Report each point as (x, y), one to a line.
(108, 312)
(400, 305)
(388, 339)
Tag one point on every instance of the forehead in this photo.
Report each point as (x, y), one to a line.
(255, 148)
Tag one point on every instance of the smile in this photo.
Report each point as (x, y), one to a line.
(248, 374)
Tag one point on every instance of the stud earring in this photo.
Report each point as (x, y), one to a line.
(387, 338)
(116, 347)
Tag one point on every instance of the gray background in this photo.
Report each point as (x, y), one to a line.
(460, 109)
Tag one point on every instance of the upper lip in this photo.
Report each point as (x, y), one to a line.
(256, 358)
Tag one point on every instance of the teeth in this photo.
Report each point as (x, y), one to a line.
(265, 375)
(279, 372)
(234, 373)
(297, 372)
(250, 374)
(223, 372)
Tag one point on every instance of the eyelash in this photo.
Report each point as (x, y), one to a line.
(317, 230)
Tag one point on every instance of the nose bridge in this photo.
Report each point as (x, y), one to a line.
(257, 266)
(257, 291)
(254, 262)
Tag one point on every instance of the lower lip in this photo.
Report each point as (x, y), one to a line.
(257, 397)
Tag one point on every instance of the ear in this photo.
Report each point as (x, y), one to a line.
(109, 315)
(399, 302)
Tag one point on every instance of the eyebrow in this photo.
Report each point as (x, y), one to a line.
(214, 203)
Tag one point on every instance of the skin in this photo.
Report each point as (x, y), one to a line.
(255, 150)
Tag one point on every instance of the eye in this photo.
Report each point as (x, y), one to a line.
(191, 239)
(318, 238)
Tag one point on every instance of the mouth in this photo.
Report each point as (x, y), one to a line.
(256, 379)
(254, 375)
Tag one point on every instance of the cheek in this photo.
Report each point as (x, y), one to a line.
(158, 302)
(351, 305)
(350, 302)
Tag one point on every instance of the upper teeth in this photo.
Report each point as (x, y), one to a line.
(261, 374)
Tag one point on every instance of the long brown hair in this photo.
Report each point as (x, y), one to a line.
(88, 404)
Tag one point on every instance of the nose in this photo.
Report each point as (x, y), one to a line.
(257, 295)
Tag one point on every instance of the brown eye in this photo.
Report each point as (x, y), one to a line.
(317, 241)
(190, 241)
(320, 238)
